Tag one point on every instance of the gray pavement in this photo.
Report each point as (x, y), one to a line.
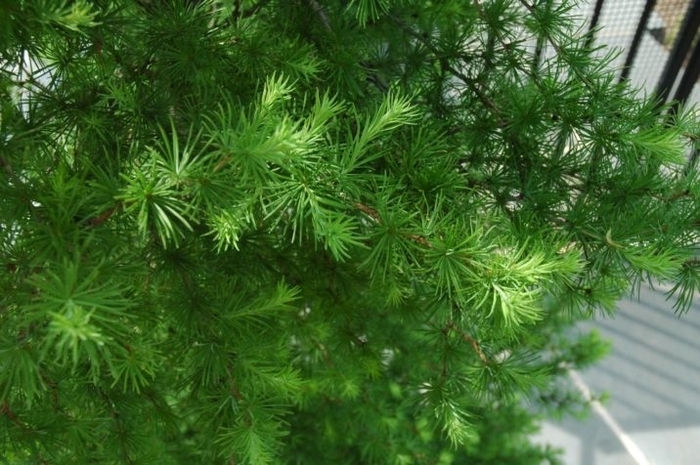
(653, 379)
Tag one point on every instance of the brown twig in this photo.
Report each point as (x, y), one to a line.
(374, 214)
(104, 216)
(471, 341)
(420, 240)
(369, 211)
(6, 166)
(7, 411)
(678, 195)
(477, 348)
(223, 162)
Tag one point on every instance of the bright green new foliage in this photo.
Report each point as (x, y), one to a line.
(317, 231)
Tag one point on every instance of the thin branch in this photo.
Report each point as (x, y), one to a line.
(477, 348)
(678, 195)
(490, 104)
(372, 78)
(94, 222)
(471, 341)
(369, 211)
(374, 214)
(557, 48)
(322, 15)
(251, 11)
(7, 411)
(6, 166)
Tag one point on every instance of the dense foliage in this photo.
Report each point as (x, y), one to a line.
(316, 231)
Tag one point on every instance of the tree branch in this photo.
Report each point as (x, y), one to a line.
(471, 341)
(104, 216)
(251, 11)
(374, 214)
(322, 15)
(7, 411)
(369, 211)
(557, 48)
(485, 100)
(6, 166)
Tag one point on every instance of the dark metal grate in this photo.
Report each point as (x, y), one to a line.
(656, 40)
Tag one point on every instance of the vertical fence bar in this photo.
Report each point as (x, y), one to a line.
(689, 29)
(594, 22)
(690, 77)
(539, 47)
(641, 27)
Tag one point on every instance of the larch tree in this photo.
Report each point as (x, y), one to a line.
(317, 231)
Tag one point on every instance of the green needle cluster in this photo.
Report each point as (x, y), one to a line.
(318, 231)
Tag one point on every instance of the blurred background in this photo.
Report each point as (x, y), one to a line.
(657, 41)
(650, 382)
